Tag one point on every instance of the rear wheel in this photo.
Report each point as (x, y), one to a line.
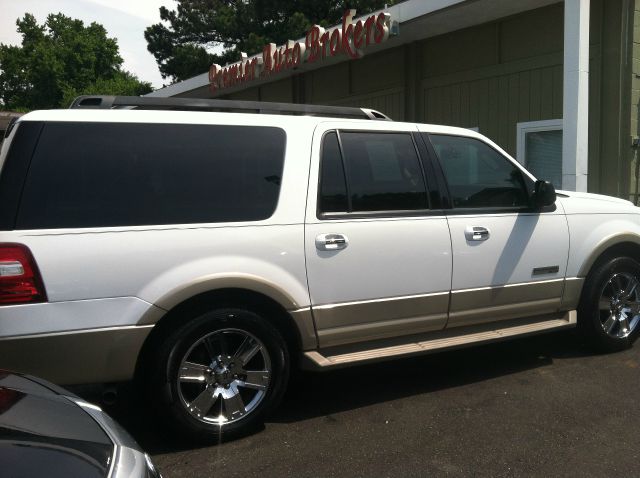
(609, 314)
(220, 374)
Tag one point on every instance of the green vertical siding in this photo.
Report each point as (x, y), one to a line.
(608, 167)
(328, 84)
(496, 102)
(496, 75)
(390, 102)
(375, 81)
(634, 166)
(250, 94)
(279, 91)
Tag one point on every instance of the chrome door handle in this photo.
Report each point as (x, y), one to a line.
(476, 233)
(331, 242)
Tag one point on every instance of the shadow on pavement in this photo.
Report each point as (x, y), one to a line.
(319, 394)
(311, 395)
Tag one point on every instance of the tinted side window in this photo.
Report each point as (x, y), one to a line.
(14, 171)
(383, 172)
(478, 176)
(333, 188)
(117, 174)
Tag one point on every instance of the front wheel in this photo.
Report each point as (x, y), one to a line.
(221, 373)
(609, 312)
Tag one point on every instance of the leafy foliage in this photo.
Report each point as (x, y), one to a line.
(183, 41)
(60, 58)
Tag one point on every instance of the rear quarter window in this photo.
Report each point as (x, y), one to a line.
(129, 174)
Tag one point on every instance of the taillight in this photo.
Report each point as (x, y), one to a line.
(20, 280)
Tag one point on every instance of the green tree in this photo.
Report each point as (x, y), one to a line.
(122, 83)
(182, 42)
(58, 59)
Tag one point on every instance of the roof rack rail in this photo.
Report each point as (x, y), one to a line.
(196, 104)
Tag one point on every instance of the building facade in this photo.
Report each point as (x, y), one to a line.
(557, 84)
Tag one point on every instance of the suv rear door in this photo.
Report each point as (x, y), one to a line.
(378, 252)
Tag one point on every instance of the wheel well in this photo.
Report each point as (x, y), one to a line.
(629, 249)
(201, 303)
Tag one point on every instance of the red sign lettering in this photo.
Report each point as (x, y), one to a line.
(349, 38)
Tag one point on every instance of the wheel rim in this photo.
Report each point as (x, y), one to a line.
(224, 376)
(620, 305)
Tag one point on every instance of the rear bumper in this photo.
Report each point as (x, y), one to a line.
(76, 357)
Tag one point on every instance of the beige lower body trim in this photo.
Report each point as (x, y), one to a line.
(306, 329)
(572, 291)
(437, 341)
(352, 322)
(368, 320)
(76, 357)
(489, 304)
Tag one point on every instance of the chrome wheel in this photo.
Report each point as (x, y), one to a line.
(224, 376)
(619, 306)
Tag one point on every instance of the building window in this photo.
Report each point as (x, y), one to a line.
(540, 149)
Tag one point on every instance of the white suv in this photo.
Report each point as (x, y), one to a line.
(205, 251)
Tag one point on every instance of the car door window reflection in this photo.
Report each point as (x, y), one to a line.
(383, 171)
(478, 176)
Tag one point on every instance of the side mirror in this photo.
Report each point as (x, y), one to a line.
(544, 194)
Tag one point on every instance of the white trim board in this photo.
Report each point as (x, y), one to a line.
(531, 127)
(526, 127)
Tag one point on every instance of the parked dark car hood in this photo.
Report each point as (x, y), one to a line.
(42, 433)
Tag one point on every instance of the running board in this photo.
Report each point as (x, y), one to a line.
(442, 341)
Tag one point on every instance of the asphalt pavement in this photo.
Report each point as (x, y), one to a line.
(539, 406)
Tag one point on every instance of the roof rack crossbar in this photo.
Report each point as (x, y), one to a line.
(196, 104)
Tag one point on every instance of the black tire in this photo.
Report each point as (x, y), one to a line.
(602, 282)
(176, 401)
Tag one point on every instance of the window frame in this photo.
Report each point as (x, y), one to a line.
(525, 127)
(527, 182)
(422, 161)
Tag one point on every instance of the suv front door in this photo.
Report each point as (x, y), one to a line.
(509, 261)
(378, 257)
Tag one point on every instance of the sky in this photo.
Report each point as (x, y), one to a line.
(124, 20)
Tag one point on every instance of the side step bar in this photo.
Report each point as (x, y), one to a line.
(441, 341)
